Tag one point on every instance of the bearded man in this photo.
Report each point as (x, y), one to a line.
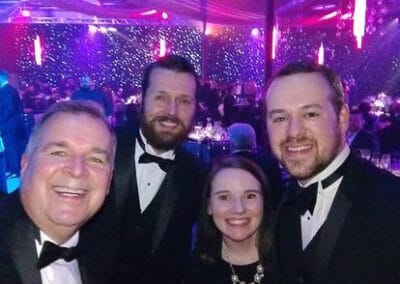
(339, 220)
(157, 185)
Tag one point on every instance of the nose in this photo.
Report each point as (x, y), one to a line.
(76, 166)
(171, 107)
(237, 206)
(295, 127)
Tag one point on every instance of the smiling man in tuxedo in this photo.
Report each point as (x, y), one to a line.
(339, 221)
(157, 184)
(65, 176)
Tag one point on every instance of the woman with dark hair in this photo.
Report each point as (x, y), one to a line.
(233, 234)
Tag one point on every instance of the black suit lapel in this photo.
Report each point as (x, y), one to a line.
(87, 275)
(173, 187)
(287, 237)
(125, 173)
(21, 243)
(330, 231)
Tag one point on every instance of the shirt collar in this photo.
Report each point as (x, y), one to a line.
(71, 242)
(336, 163)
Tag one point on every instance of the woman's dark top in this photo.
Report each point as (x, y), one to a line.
(220, 273)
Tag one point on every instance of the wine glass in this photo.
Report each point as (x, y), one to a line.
(375, 159)
(385, 162)
(365, 154)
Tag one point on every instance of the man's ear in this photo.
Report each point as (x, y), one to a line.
(24, 164)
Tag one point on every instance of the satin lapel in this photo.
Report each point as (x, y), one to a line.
(21, 243)
(173, 186)
(86, 276)
(287, 237)
(124, 172)
(332, 227)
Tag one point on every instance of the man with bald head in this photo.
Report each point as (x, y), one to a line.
(339, 221)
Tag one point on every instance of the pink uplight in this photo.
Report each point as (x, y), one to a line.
(208, 31)
(26, 13)
(274, 42)
(255, 32)
(321, 54)
(149, 12)
(360, 10)
(346, 16)
(92, 29)
(329, 16)
(38, 50)
(164, 15)
(163, 47)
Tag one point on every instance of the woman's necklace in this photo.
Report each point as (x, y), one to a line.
(235, 278)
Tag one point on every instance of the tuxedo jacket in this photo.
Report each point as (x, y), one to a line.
(18, 256)
(389, 137)
(360, 240)
(10, 108)
(164, 256)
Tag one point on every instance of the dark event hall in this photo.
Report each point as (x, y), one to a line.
(56, 52)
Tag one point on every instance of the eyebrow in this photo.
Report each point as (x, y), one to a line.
(63, 144)
(161, 92)
(228, 191)
(59, 144)
(305, 107)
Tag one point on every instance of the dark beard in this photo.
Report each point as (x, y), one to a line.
(163, 141)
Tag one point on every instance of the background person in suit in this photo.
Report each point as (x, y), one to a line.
(11, 129)
(65, 177)
(340, 220)
(244, 143)
(357, 136)
(89, 92)
(157, 184)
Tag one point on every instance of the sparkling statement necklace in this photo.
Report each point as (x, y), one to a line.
(235, 278)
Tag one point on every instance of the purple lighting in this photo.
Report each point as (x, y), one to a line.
(38, 50)
(149, 12)
(360, 10)
(26, 13)
(164, 15)
(92, 29)
(255, 32)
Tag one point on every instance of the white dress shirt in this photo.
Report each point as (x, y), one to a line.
(60, 271)
(149, 176)
(311, 223)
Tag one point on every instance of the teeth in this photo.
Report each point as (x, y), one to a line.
(237, 222)
(65, 191)
(65, 194)
(168, 123)
(298, 148)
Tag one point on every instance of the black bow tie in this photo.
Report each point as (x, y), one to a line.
(308, 195)
(164, 164)
(51, 252)
(145, 158)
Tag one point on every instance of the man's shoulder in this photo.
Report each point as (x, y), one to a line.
(10, 209)
(189, 162)
(365, 181)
